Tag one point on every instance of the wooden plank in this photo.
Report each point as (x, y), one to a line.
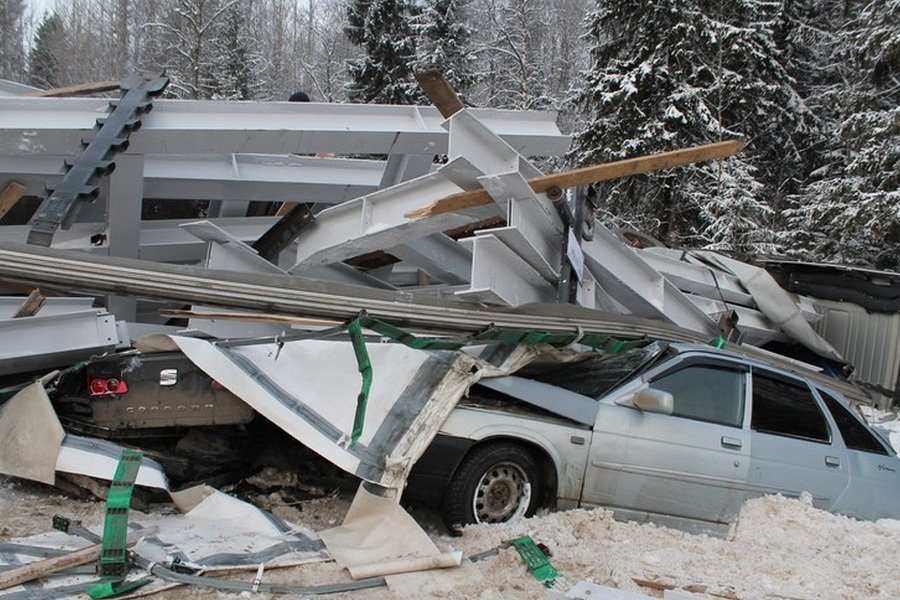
(437, 89)
(82, 89)
(592, 174)
(49, 566)
(10, 195)
(31, 305)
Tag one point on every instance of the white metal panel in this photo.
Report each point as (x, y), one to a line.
(869, 341)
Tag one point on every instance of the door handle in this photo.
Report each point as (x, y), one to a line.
(730, 442)
(832, 461)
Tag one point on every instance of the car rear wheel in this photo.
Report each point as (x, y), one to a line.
(495, 483)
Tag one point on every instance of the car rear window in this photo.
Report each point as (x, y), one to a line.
(856, 435)
(786, 407)
(595, 377)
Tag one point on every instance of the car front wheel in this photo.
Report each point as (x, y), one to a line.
(495, 483)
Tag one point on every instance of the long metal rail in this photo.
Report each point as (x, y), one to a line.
(291, 295)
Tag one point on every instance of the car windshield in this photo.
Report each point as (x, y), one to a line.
(595, 377)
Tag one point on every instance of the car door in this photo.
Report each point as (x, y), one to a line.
(794, 449)
(874, 488)
(690, 464)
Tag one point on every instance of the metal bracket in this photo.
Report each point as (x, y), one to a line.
(79, 183)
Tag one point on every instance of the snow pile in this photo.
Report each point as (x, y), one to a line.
(779, 548)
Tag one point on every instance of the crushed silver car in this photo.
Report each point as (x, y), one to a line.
(678, 434)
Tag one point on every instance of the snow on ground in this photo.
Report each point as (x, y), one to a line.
(780, 548)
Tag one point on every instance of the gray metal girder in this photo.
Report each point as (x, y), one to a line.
(35, 126)
(639, 287)
(57, 339)
(376, 221)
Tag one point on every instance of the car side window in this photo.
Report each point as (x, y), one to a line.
(856, 435)
(705, 393)
(783, 406)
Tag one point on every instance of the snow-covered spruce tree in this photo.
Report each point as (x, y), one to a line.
(45, 57)
(669, 74)
(184, 44)
(851, 211)
(443, 42)
(237, 64)
(384, 74)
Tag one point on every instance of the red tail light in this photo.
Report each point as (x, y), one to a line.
(100, 385)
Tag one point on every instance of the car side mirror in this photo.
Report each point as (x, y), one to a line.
(654, 401)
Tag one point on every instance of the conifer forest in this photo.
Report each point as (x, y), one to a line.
(813, 85)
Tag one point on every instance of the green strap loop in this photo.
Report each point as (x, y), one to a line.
(113, 553)
(365, 370)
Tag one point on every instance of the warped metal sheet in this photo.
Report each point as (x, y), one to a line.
(309, 389)
(34, 446)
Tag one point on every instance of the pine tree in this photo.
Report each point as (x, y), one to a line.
(49, 48)
(12, 38)
(384, 74)
(849, 212)
(234, 77)
(675, 73)
(443, 42)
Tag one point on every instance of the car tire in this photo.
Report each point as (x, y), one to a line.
(495, 483)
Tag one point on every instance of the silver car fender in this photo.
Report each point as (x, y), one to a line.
(567, 447)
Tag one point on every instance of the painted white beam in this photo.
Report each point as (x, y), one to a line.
(376, 221)
(35, 126)
(242, 177)
(441, 257)
(41, 342)
(500, 276)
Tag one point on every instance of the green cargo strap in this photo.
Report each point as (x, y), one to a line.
(365, 369)
(537, 561)
(718, 342)
(113, 554)
(408, 339)
(502, 336)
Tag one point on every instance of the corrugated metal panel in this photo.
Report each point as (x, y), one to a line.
(869, 341)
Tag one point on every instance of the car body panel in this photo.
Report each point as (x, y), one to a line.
(665, 464)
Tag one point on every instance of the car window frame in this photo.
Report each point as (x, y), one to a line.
(801, 382)
(821, 392)
(688, 360)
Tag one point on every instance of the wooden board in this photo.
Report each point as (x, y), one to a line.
(10, 195)
(592, 174)
(439, 92)
(76, 90)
